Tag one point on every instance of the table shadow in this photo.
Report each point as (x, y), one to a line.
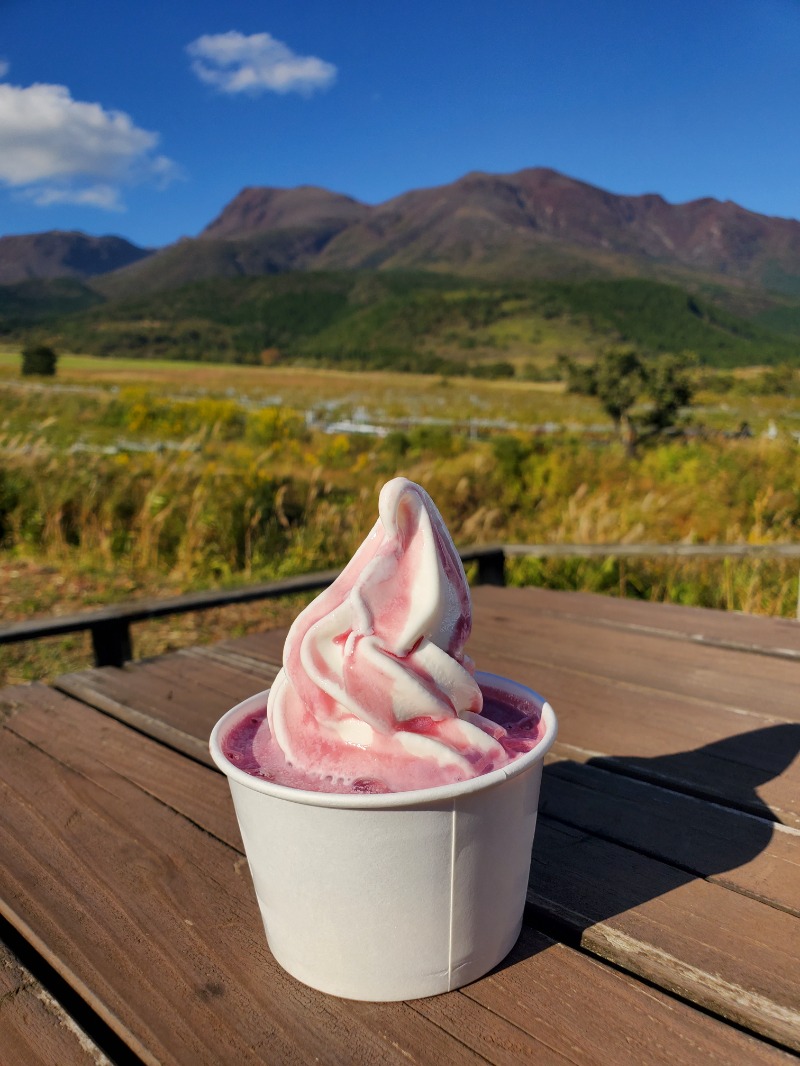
(607, 841)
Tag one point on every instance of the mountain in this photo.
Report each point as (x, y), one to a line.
(257, 210)
(535, 223)
(425, 321)
(488, 265)
(56, 254)
(501, 222)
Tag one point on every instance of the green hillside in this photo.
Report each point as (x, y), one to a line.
(38, 301)
(660, 318)
(410, 321)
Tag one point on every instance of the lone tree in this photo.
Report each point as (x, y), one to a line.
(620, 377)
(39, 359)
(669, 387)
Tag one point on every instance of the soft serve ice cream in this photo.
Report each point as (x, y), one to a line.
(377, 693)
(396, 863)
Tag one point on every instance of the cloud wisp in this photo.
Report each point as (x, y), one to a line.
(54, 149)
(235, 63)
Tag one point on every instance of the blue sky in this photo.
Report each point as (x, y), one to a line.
(145, 118)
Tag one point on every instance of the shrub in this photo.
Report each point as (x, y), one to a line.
(39, 359)
(493, 371)
(509, 453)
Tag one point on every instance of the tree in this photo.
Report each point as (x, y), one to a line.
(579, 377)
(669, 386)
(39, 359)
(619, 375)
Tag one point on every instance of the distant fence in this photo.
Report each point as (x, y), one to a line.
(110, 626)
(685, 551)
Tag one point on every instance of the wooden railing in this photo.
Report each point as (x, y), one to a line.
(110, 626)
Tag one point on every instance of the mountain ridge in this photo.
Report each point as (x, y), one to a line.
(63, 254)
(535, 222)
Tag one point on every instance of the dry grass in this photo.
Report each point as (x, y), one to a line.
(232, 491)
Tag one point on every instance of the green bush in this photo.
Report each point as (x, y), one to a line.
(492, 371)
(39, 359)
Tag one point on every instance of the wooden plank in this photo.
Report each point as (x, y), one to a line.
(669, 878)
(757, 879)
(503, 620)
(193, 935)
(767, 635)
(205, 677)
(696, 747)
(106, 689)
(262, 672)
(755, 683)
(723, 951)
(154, 920)
(751, 855)
(266, 646)
(35, 1030)
(718, 678)
(176, 698)
(575, 1001)
(602, 718)
(47, 719)
(731, 755)
(724, 844)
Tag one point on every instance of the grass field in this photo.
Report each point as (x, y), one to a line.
(399, 396)
(122, 478)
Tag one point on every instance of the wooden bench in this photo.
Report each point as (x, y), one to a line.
(663, 910)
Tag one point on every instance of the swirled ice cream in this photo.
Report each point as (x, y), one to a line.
(377, 693)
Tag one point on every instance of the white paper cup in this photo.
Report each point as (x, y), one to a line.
(391, 896)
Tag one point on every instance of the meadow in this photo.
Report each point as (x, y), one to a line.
(123, 477)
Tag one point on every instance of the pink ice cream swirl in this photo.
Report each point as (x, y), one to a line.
(376, 688)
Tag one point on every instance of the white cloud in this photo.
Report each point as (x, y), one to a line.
(59, 150)
(105, 196)
(4, 67)
(234, 63)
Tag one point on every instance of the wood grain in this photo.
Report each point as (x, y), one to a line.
(50, 721)
(153, 918)
(266, 646)
(589, 1009)
(723, 951)
(744, 632)
(176, 698)
(758, 684)
(35, 1030)
(652, 918)
(703, 749)
(751, 855)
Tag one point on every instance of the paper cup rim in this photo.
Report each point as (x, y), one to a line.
(385, 800)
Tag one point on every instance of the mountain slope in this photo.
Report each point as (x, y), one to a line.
(258, 210)
(485, 221)
(536, 223)
(56, 254)
(423, 321)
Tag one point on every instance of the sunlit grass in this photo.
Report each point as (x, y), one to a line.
(121, 479)
(383, 395)
(380, 393)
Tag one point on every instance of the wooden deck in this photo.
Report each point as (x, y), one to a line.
(664, 898)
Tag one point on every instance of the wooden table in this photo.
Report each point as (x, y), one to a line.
(662, 916)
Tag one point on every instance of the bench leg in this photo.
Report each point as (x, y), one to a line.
(111, 643)
(492, 568)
